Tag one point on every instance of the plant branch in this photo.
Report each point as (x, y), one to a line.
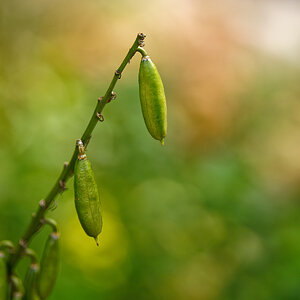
(68, 168)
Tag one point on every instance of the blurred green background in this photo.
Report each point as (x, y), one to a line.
(212, 215)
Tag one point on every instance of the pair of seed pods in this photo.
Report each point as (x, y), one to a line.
(154, 109)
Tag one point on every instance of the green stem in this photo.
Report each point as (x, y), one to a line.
(68, 169)
(17, 287)
(142, 51)
(32, 255)
(7, 245)
(52, 223)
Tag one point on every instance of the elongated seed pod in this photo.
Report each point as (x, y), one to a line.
(153, 99)
(87, 200)
(30, 282)
(3, 277)
(49, 266)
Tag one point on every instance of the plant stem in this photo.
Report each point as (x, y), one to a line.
(142, 51)
(32, 255)
(52, 223)
(68, 169)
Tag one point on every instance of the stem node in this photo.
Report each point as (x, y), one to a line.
(62, 185)
(43, 204)
(53, 206)
(23, 243)
(141, 39)
(118, 73)
(113, 96)
(100, 117)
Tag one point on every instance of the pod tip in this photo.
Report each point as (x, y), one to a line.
(162, 142)
(96, 240)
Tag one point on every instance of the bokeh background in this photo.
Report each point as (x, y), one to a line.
(212, 215)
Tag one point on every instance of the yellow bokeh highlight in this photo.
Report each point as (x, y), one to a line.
(113, 244)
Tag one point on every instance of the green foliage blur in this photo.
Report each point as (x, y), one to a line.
(212, 215)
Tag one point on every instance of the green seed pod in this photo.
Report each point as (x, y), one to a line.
(153, 99)
(3, 277)
(30, 282)
(17, 288)
(87, 200)
(49, 266)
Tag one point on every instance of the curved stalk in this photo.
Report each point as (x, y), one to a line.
(32, 255)
(142, 51)
(68, 168)
(52, 223)
(5, 244)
